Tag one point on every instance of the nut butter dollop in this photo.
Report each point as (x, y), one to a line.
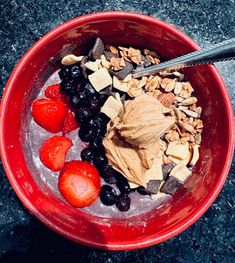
(132, 139)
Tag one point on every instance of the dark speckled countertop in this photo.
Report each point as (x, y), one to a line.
(22, 237)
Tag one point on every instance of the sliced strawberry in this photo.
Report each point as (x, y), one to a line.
(70, 123)
(53, 152)
(49, 114)
(53, 92)
(79, 183)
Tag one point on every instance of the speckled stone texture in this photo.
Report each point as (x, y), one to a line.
(22, 237)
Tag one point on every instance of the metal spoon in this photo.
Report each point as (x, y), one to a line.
(215, 53)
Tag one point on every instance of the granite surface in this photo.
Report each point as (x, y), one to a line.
(22, 237)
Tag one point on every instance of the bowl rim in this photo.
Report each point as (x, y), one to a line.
(47, 38)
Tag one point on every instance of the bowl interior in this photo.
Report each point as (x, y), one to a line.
(114, 233)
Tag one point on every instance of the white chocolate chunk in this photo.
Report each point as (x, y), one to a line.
(184, 161)
(71, 59)
(100, 79)
(120, 85)
(155, 172)
(93, 65)
(133, 185)
(111, 107)
(178, 150)
(195, 156)
(181, 172)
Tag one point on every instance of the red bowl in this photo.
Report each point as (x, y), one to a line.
(160, 224)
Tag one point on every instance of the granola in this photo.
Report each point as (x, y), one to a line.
(154, 134)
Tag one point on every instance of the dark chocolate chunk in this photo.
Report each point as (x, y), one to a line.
(171, 185)
(83, 67)
(97, 50)
(108, 55)
(153, 186)
(108, 91)
(166, 168)
(146, 61)
(121, 74)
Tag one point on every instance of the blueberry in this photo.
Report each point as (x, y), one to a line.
(102, 99)
(85, 133)
(88, 155)
(108, 173)
(100, 159)
(65, 72)
(123, 202)
(94, 104)
(88, 89)
(141, 190)
(75, 72)
(122, 184)
(75, 100)
(83, 114)
(108, 195)
(108, 170)
(98, 141)
(79, 99)
(69, 87)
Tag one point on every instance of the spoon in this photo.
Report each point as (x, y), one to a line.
(219, 52)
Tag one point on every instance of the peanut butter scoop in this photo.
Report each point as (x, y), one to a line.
(132, 139)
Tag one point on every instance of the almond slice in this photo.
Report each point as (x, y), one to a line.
(181, 172)
(195, 155)
(178, 150)
(178, 88)
(104, 62)
(159, 195)
(178, 75)
(120, 85)
(100, 79)
(189, 101)
(111, 107)
(93, 65)
(71, 59)
(133, 185)
(190, 113)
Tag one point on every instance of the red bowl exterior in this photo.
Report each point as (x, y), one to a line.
(106, 233)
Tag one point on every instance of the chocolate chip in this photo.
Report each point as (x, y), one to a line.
(83, 67)
(153, 186)
(108, 91)
(97, 50)
(171, 186)
(108, 55)
(121, 74)
(166, 168)
(146, 61)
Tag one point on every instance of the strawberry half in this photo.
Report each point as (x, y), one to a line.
(53, 152)
(49, 114)
(79, 183)
(53, 92)
(70, 123)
